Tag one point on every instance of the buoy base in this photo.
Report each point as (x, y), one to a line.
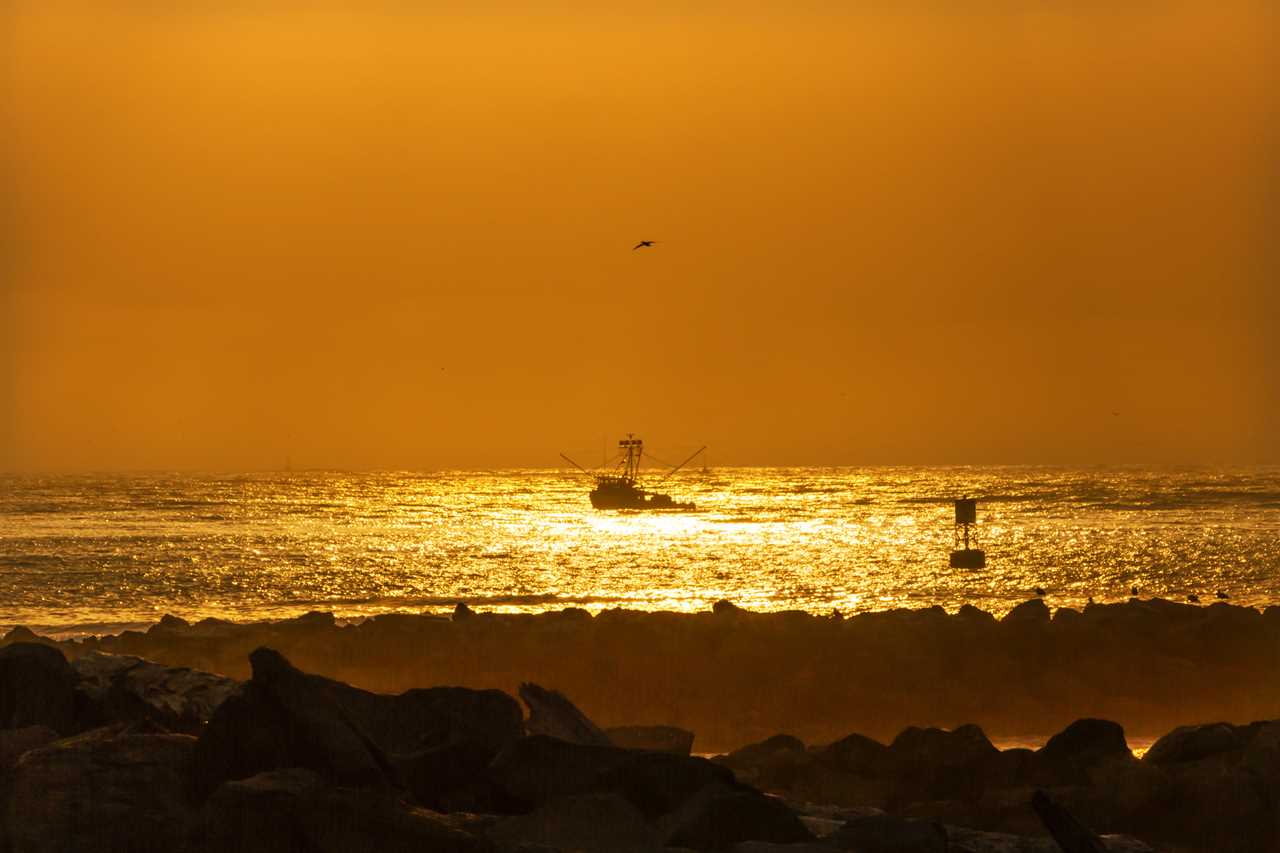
(969, 558)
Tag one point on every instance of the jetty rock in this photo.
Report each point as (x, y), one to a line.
(283, 717)
(109, 789)
(38, 688)
(126, 688)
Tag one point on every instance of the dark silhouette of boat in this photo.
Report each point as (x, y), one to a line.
(620, 489)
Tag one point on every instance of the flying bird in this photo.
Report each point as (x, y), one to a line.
(643, 244)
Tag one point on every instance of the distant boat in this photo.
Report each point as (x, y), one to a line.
(620, 489)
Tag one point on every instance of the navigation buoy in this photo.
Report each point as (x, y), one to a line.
(964, 556)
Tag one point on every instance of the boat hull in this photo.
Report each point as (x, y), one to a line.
(612, 496)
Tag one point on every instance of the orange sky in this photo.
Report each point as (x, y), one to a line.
(919, 232)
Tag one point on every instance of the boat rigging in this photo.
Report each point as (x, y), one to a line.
(620, 488)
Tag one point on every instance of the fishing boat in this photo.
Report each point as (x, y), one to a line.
(620, 487)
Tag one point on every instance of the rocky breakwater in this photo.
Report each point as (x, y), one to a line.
(291, 761)
(1212, 787)
(117, 754)
(735, 676)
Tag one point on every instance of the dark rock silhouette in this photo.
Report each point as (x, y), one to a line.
(105, 791)
(889, 834)
(302, 762)
(1069, 833)
(539, 769)
(1071, 752)
(657, 738)
(719, 816)
(294, 810)
(592, 823)
(37, 688)
(1192, 743)
(550, 713)
(1149, 664)
(123, 687)
(284, 718)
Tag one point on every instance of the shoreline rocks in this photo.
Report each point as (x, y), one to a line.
(290, 760)
(735, 676)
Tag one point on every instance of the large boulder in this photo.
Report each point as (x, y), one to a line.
(294, 810)
(721, 816)
(105, 791)
(538, 769)
(937, 764)
(1072, 752)
(592, 823)
(1033, 612)
(440, 739)
(126, 688)
(15, 742)
(1192, 743)
(552, 714)
(859, 755)
(890, 834)
(775, 763)
(37, 688)
(654, 738)
(282, 718)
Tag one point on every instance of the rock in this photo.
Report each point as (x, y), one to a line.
(1191, 743)
(889, 834)
(169, 624)
(433, 716)
(592, 823)
(1033, 612)
(293, 810)
(538, 769)
(14, 742)
(755, 753)
(655, 738)
(1082, 745)
(720, 816)
(282, 718)
(964, 840)
(727, 609)
(658, 782)
(859, 755)
(440, 739)
(452, 777)
(37, 688)
(101, 791)
(550, 713)
(936, 764)
(125, 688)
(775, 764)
(974, 615)
(1071, 835)
(1221, 803)
(20, 634)
(772, 847)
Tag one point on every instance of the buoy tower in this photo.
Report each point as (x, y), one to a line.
(965, 556)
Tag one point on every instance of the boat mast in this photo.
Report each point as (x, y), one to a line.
(633, 448)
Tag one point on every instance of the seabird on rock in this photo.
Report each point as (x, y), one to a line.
(1222, 595)
(1193, 598)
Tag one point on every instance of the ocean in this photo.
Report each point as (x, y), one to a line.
(92, 554)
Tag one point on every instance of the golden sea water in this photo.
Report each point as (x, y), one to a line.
(90, 554)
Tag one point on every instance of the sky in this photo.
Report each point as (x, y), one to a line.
(399, 234)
